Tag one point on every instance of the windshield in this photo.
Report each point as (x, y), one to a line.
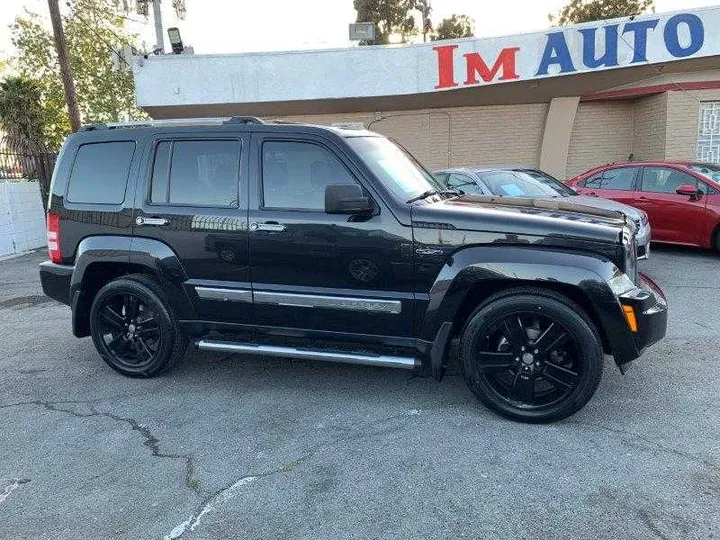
(710, 171)
(524, 183)
(396, 168)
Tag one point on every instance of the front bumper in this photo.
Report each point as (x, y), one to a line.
(55, 280)
(651, 310)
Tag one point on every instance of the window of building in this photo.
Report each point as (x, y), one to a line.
(708, 141)
(295, 174)
(100, 172)
(196, 173)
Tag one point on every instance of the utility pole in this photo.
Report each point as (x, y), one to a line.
(157, 17)
(64, 61)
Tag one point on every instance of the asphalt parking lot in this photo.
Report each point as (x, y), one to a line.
(229, 447)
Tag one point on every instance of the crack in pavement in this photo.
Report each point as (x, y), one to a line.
(229, 491)
(152, 442)
(14, 484)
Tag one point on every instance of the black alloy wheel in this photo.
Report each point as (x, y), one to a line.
(134, 327)
(129, 328)
(532, 357)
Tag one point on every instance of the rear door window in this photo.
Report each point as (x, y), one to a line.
(100, 172)
(196, 173)
(622, 179)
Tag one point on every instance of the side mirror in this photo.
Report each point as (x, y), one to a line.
(346, 199)
(687, 190)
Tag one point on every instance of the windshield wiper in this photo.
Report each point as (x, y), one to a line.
(423, 195)
(431, 192)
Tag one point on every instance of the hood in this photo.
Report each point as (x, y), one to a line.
(598, 202)
(547, 217)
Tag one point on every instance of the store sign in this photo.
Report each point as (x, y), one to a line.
(575, 50)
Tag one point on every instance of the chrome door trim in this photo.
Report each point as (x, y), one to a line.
(225, 295)
(329, 302)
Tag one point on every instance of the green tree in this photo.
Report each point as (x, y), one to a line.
(21, 120)
(580, 11)
(21, 115)
(457, 26)
(93, 28)
(390, 17)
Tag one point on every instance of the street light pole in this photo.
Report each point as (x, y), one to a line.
(423, 6)
(157, 17)
(65, 68)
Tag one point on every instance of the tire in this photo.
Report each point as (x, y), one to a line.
(120, 309)
(531, 355)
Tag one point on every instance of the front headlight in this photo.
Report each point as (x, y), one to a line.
(630, 253)
(620, 283)
(631, 260)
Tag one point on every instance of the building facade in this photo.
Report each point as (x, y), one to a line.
(563, 100)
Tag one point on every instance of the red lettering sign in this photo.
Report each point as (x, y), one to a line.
(446, 66)
(475, 65)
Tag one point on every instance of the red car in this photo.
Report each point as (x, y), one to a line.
(682, 199)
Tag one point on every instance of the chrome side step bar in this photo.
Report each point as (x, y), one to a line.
(402, 362)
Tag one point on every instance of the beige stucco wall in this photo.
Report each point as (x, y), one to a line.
(662, 126)
(602, 133)
(650, 127)
(493, 135)
(682, 121)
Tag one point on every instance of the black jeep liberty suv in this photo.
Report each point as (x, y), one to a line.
(321, 243)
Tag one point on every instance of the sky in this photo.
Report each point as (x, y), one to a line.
(235, 26)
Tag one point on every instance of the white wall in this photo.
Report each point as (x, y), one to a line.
(22, 218)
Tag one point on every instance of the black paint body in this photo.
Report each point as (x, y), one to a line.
(430, 261)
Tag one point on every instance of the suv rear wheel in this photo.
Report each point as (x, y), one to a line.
(134, 327)
(531, 355)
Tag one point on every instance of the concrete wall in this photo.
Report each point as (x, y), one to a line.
(22, 218)
(602, 133)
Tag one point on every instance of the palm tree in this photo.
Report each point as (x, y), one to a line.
(21, 114)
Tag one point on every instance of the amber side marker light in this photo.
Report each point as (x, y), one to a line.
(629, 313)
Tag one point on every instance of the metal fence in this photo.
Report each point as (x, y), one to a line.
(35, 164)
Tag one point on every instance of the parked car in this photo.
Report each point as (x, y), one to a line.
(536, 184)
(320, 243)
(682, 199)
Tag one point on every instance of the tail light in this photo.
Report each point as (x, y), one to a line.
(53, 237)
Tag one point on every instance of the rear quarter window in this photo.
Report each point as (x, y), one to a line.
(100, 172)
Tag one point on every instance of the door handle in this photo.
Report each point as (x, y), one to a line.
(641, 198)
(593, 194)
(140, 220)
(271, 226)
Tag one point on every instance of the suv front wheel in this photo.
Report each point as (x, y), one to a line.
(531, 355)
(134, 327)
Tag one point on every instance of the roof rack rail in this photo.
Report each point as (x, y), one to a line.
(173, 122)
(243, 120)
